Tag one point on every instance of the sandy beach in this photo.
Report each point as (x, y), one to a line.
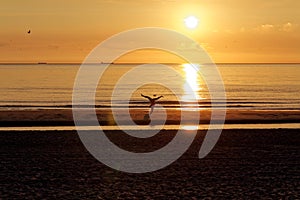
(245, 164)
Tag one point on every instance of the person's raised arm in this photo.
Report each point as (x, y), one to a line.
(158, 97)
(145, 96)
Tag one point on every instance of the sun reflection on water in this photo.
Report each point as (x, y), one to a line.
(191, 85)
(190, 127)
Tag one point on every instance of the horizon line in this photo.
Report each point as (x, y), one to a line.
(128, 63)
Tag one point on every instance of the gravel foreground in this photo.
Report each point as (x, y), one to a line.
(245, 164)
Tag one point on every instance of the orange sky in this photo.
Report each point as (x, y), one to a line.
(231, 31)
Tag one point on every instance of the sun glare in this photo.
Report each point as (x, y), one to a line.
(191, 86)
(190, 127)
(191, 22)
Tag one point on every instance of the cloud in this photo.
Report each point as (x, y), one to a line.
(267, 28)
(288, 27)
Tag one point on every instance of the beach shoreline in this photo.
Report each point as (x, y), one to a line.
(64, 117)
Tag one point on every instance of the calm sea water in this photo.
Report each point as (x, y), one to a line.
(247, 86)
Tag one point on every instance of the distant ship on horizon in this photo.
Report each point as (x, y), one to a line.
(42, 63)
(106, 62)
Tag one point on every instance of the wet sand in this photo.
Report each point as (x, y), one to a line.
(64, 117)
(245, 164)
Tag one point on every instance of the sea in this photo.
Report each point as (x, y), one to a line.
(246, 86)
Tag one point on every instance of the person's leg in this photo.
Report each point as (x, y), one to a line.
(151, 109)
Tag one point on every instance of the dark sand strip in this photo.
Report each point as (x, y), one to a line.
(62, 117)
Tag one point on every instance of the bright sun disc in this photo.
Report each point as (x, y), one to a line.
(191, 22)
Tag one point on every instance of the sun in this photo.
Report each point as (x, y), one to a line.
(191, 22)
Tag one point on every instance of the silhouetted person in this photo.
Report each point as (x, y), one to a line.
(152, 101)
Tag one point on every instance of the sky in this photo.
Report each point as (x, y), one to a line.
(231, 31)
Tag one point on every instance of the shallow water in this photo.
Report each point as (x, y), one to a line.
(247, 86)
